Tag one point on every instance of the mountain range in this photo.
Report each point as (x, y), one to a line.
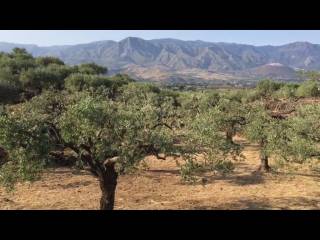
(177, 61)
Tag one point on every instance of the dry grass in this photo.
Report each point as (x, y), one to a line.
(160, 187)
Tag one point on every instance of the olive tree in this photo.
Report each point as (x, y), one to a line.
(259, 129)
(92, 69)
(23, 134)
(230, 117)
(227, 111)
(305, 128)
(195, 102)
(272, 133)
(37, 79)
(296, 138)
(17, 61)
(108, 136)
(210, 121)
(45, 61)
(100, 84)
(205, 147)
(29, 76)
(266, 88)
(287, 91)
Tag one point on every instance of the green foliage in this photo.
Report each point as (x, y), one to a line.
(287, 91)
(189, 169)
(32, 130)
(20, 53)
(204, 137)
(250, 96)
(91, 69)
(211, 120)
(7, 78)
(260, 129)
(138, 94)
(17, 61)
(235, 95)
(19, 171)
(305, 129)
(24, 135)
(96, 83)
(45, 61)
(191, 104)
(50, 104)
(23, 75)
(310, 75)
(163, 105)
(41, 78)
(267, 87)
(113, 129)
(230, 116)
(210, 99)
(293, 139)
(309, 88)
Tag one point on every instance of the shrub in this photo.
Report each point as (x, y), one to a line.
(45, 61)
(309, 88)
(287, 91)
(267, 87)
(92, 69)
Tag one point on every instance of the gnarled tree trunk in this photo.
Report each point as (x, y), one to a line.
(264, 159)
(108, 184)
(3, 156)
(107, 176)
(264, 163)
(229, 135)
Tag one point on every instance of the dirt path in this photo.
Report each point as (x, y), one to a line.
(160, 187)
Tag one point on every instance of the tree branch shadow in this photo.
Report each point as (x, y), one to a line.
(291, 203)
(75, 184)
(253, 178)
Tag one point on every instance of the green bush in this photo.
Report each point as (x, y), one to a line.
(287, 91)
(92, 69)
(309, 88)
(37, 79)
(45, 61)
(250, 95)
(267, 87)
(108, 86)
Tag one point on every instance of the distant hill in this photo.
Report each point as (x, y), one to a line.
(168, 60)
(271, 71)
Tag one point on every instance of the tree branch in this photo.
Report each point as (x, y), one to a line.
(152, 150)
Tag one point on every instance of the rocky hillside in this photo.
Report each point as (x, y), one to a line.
(166, 59)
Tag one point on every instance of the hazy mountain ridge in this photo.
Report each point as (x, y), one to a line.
(164, 58)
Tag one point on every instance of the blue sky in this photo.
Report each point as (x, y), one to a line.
(65, 37)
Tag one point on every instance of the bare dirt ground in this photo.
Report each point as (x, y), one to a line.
(160, 187)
